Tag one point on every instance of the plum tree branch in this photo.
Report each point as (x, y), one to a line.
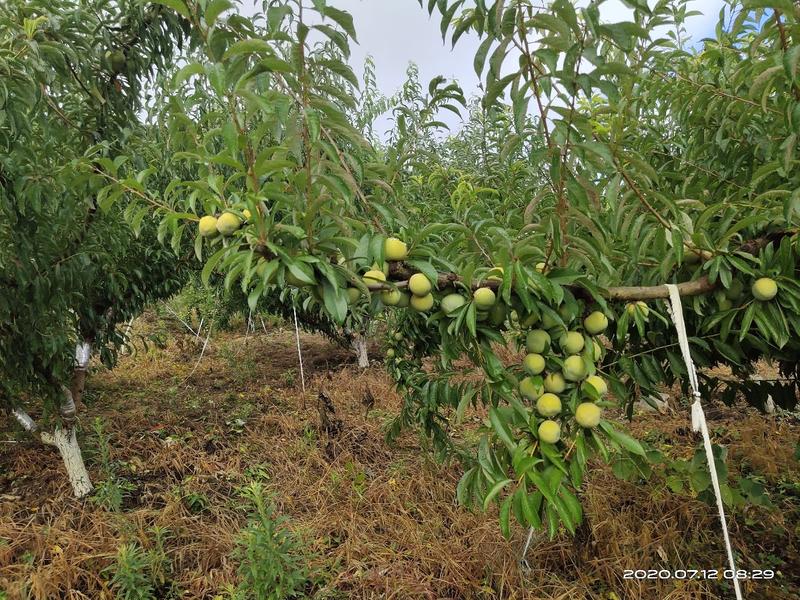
(399, 274)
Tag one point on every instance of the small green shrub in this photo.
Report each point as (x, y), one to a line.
(271, 560)
(129, 574)
(110, 491)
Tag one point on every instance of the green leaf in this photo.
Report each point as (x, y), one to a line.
(214, 9)
(341, 18)
(495, 489)
(530, 507)
(784, 5)
(250, 46)
(177, 5)
(501, 428)
(211, 263)
(186, 72)
(505, 521)
(623, 439)
(480, 55)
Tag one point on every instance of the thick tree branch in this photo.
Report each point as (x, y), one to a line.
(687, 288)
(25, 420)
(400, 273)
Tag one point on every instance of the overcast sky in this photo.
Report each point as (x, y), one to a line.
(398, 32)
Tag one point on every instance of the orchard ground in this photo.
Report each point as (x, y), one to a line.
(374, 520)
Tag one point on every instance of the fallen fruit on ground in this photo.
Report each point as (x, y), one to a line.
(398, 336)
(422, 303)
(595, 323)
(451, 302)
(537, 341)
(574, 368)
(549, 431)
(419, 285)
(390, 353)
(598, 383)
(555, 383)
(588, 415)
(572, 342)
(548, 405)
(484, 298)
(533, 363)
(228, 223)
(395, 249)
(530, 389)
(207, 226)
(374, 279)
(765, 289)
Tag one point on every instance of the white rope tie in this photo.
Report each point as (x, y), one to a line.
(699, 422)
(299, 352)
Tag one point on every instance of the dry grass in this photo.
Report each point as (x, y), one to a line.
(380, 521)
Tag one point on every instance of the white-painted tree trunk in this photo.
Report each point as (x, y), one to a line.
(66, 442)
(126, 348)
(63, 437)
(360, 348)
(769, 405)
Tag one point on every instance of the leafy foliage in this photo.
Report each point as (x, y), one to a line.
(70, 272)
(602, 162)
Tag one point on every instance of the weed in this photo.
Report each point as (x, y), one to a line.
(159, 561)
(259, 472)
(241, 365)
(271, 561)
(358, 478)
(289, 377)
(111, 490)
(129, 577)
(196, 502)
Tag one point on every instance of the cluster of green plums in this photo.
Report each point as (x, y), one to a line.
(553, 368)
(226, 224)
(418, 293)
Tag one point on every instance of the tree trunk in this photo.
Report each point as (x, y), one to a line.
(83, 352)
(63, 436)
(66, 442)
(360, 348)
